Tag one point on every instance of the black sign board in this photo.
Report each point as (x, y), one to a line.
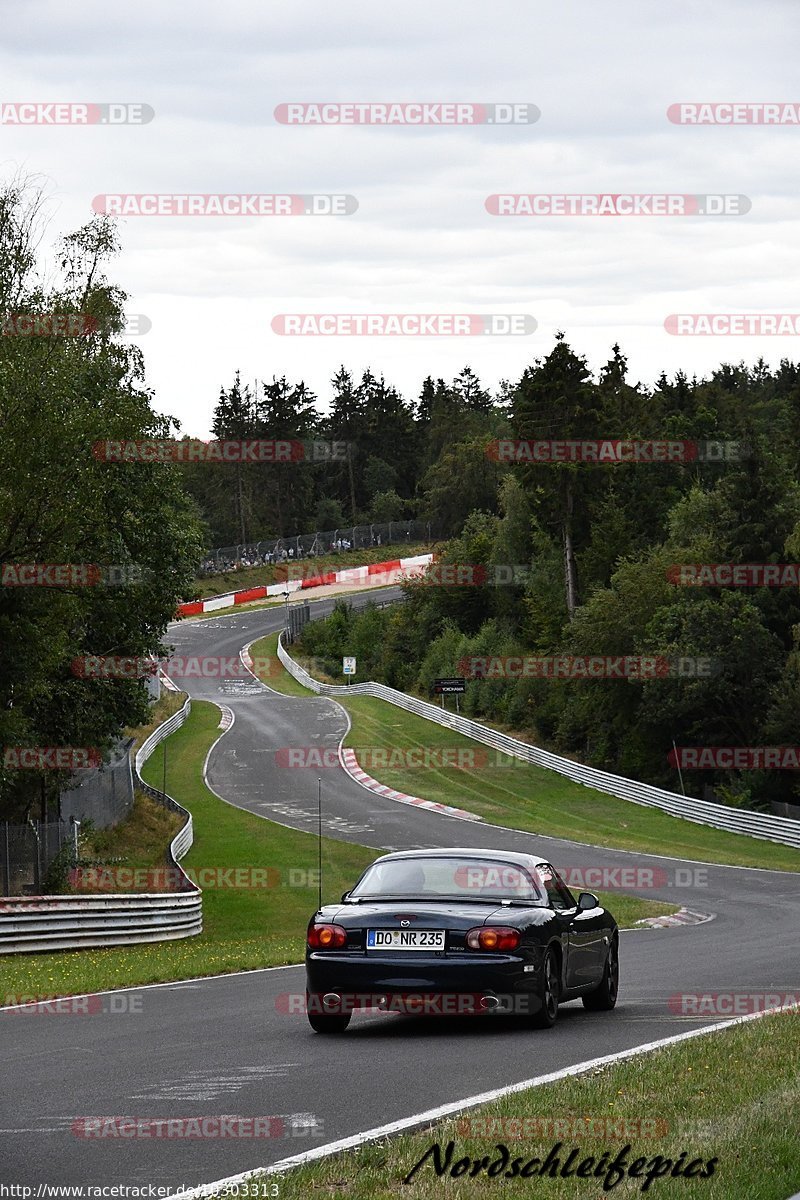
(449, 687)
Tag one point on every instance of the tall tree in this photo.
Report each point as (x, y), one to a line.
(556, 399)
(345, 424)
(62, 503)
(235, 418)
(287, 412)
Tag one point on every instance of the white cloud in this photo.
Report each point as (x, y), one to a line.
(421, 241)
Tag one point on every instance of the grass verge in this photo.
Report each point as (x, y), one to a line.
(266, 664)
(731, 1096)
(259, 888)
(507, 791)
(167, 704)
(259, 924)
(269, 667)
(139, 843)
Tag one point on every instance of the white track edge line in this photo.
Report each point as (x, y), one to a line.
(456, 1106)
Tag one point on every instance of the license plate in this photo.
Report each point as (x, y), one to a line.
(405, 939)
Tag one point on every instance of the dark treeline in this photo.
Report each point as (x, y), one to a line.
(597, 543)
(395, 456)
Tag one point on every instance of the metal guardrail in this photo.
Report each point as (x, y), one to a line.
(31, 923)
(784, 830)
(182, 841)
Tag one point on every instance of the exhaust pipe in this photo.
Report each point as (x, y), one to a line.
(489, 1002)
(331, 1000)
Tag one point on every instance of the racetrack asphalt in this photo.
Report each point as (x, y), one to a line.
(226, 1045)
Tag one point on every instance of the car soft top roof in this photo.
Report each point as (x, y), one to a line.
(509, 856)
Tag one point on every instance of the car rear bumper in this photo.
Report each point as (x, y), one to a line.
(426, 984)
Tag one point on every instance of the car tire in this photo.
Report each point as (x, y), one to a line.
(604, 996)
(549, 992)
(321, 1023)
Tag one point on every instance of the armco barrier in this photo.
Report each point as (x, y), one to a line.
(702, 812)
(35, 923)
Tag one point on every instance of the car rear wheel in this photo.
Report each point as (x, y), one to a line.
(549, 991)
(321, 1023)
(604, 996)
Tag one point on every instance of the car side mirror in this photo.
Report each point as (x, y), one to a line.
(588, 900)
(345, 897)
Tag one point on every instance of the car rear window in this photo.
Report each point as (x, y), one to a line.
(461, 878)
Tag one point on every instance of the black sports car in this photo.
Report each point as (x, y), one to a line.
(456, 932)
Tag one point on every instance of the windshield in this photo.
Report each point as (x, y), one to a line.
(453, 878)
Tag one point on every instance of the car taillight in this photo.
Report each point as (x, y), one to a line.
(493, 937)
(327, 937)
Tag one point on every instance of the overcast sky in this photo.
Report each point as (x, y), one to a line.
(603, 76)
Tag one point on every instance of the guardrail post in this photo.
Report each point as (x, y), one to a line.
(7, 864)
(37, 866)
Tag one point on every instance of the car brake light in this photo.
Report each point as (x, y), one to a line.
(327, 937)
(493, 937)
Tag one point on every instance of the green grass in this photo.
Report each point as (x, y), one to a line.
(227, 581)
(731, 1095)
(269, 668)
(244, 927)
(628, 910)
(167, 704)
(507, 791)
(138, 843)
(266, 664)
(510, 792)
